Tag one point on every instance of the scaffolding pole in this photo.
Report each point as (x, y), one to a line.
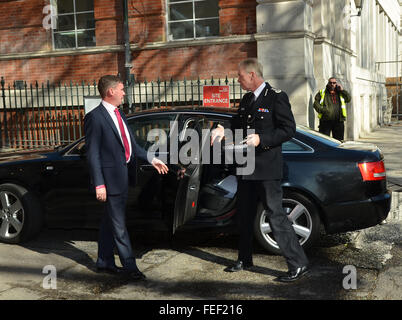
(398, 113)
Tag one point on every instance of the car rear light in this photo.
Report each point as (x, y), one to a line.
(372, 171)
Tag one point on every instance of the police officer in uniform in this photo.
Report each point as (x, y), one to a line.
(268, 112)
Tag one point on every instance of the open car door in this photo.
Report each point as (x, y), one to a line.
(172, 197)
(190, 145)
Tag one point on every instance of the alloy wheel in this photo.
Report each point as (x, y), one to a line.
(298, 214)
(11, 215)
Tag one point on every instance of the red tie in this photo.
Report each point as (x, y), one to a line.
(123, 134)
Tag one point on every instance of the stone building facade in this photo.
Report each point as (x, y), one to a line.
(303, 43)
(29, 51)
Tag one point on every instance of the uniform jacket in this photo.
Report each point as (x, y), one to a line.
(271, 117)
(105, 152)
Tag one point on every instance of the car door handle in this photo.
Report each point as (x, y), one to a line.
(49, 168)
(193, 188)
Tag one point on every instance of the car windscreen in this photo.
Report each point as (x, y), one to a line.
(318, 136)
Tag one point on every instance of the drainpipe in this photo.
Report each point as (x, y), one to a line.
(127, 53)
(3, 94)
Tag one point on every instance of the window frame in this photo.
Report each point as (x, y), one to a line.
(76, 30)
(76, 149)
(304, 147)
(193, 20)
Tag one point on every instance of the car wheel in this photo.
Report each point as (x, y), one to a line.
(20, 214)
(303, 215)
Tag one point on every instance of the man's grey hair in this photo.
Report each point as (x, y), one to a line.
(252, 64)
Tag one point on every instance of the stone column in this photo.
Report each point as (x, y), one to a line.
(335, 50)
(285, 44)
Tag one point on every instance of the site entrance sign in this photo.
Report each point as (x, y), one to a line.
(216, 96)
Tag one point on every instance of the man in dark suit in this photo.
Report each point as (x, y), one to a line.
(111, 151)
(267, 111)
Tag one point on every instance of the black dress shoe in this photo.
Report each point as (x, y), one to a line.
(110, 270)
(294, 274)
(135, 275)
(239, 266)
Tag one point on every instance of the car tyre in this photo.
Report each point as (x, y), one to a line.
(304, 217)
(20, 214)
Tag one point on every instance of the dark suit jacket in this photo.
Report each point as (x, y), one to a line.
(271, 117)
(105, 151)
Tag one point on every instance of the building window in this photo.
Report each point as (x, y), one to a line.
(75, 24)
(191, 19)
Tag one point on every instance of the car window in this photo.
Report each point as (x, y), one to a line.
(294, 146)
(191, 137)
(189, 124)
(78, 149)
(141, 126)
(197, 123)
(213, 122)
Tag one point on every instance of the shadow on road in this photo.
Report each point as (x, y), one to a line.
(80, 246)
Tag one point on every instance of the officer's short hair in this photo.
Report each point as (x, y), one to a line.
(107, 82)
(252, 64)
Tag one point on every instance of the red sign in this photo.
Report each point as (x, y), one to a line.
(216, 96)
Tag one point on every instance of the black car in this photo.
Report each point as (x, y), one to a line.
(340, 186)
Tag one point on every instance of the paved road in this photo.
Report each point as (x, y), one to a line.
(189, 268)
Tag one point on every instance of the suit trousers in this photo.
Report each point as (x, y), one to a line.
(270, 193)
(113, 234)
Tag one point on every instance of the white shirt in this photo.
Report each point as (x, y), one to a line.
(258, 91)
(110, 109)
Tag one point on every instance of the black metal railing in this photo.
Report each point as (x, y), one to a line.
(44, 115)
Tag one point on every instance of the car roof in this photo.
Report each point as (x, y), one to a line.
(201, 109)
(184, 109)
(305, 131)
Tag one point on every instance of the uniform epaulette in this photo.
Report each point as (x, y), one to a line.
(277, 90)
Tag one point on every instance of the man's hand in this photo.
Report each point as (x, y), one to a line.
(253, 140)
(340, 87)
(218, 132)
(101, 194)
(159, 166)
(180, 173)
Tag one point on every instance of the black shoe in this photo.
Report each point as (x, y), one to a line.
(239, 266)
(295, 274)
(135, 275)
(110, 270)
